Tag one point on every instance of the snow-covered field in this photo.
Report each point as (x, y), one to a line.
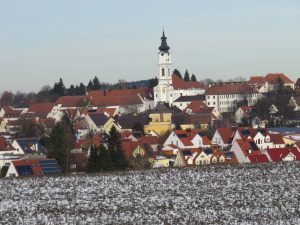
(243, 194)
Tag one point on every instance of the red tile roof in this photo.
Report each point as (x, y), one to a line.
(230, 88)
(276, 139)
(11, 112)
(246, 109)
(179, 83)
(258, 158)
(128, 147)
(185, 140)
(5, 145)
(116, 101)
(196, 106)
(226, 134)
(34, 163)
(143, 92)
(277, 154)
(40, 108)
(272, 78)
(73, 101)
(109, 111)
(256, 80)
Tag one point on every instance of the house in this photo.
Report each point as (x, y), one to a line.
(218, 157)
(223, 137)
(180, 159)
(184, 120)
(243, 113)
(33, 167)
(225, 96)
(161, 161)
(262, 138)
(29, 146)
(10, 113)
(272, 79)
(200, 140)
(201, 158)
(295, 103)
(101, 123)
(7, 148)
(78, 162)
(180, 138)
(144, 95)
(73, 102)
(257, 158)
(132, 149)
(270, 82)
(283, 154)
(128, 121)
(42, 110)
(183, 101)
(199, 106)
(160, 119)
(245, 149)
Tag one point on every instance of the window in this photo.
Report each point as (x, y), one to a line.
(163, 71)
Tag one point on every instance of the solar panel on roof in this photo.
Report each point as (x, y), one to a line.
(208, 151)
(50, 167)
(253, 145)
(201, 134)
(187, 152)
(24, 170)
(263, 131)
(181, 135)
(245, 132)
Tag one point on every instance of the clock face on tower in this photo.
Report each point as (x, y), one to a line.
(162, 54)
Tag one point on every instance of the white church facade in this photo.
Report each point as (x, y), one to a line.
(170, 86)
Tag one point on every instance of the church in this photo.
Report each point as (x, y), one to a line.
(170, 87)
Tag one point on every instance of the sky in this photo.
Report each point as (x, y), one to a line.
(42, 41)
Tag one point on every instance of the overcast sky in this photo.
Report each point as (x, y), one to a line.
(41, 41)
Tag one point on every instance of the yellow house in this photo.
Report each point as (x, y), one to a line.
(288, 140)
(100, 123)
(161, 120)
(161, 161)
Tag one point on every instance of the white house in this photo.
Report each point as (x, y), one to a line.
(223, 137)
(225, 96)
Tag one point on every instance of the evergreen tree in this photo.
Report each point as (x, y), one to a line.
(61, 141)
(81, 89)
(72, 90)
(138, 127)
(186, 76)
(93, 161)
(96, 83)
(193, 77)
(105, 161)
(153, 82)
(90, 86)
(177, 126)
(176, 72)
(59, 88)
(115, 148)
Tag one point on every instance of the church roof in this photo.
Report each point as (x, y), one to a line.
(179, 83)
(163, 46)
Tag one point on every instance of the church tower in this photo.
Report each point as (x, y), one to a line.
(164, 62)
(163, 91)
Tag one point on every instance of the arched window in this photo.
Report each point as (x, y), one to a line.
(163, 71)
